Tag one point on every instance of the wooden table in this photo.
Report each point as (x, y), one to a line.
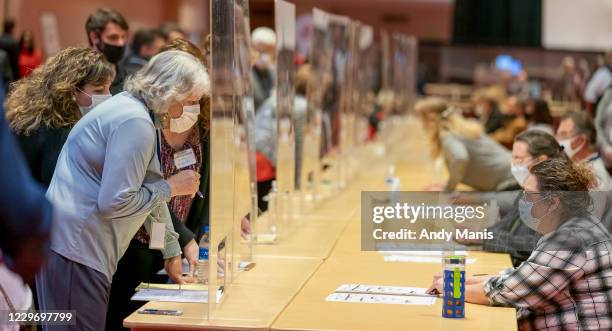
(252, 302)
(287, 288)
(309, 310)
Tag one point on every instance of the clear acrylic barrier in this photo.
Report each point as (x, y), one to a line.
(337, 107)
(284, 18)
(365, 75)
(246, 176)
(319, 81)
(274, 224)
(232, 155)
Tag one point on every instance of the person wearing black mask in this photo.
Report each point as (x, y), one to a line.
(107, 31)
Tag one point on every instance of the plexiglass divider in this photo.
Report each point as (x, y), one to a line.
(338, 105)
(319, 82)
(232, 154)
(344, 63)
(365, 76)
(284, 18)
(246, 172)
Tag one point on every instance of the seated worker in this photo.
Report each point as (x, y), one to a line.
(514, 124)
(472, 157)
(577, 135)
(487, 110)
(510, 235)
(538, 116)
(565, 283)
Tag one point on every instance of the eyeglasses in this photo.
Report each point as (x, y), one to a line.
(534, 196)
(525, 160)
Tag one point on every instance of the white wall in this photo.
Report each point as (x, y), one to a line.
(577, 24)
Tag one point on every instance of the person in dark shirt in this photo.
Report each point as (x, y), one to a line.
(510, 234)
(488, 111)
(10, 45)
(26, 214)
(44, 106)
(145, 44)
(107, 31)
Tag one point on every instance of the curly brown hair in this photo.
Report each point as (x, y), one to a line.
(188, 47)
(46, 97)
(570, 181)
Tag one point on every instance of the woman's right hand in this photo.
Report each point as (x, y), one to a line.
(186, 182)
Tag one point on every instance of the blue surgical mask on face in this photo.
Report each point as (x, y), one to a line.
(525, 211)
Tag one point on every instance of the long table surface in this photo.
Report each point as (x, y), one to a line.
(322, 250)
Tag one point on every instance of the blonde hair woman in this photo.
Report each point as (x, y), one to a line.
(472, 158)
(43, 107)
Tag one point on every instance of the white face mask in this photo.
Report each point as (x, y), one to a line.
(96, 99)
(520, 173)
(264, 61)
(567, 147)
(188, 118)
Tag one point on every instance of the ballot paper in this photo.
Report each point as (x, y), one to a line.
(244, 266)
(396, 295)
(422, 253)
(265, 238)
(172, 293)
(380, 289)
(416, 256)
(419, 259)
(379, 298)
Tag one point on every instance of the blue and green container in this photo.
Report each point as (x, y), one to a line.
(454, 287)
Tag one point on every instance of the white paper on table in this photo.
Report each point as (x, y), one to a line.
(379, 298)
(185, 266)
(422, 253)
(174, 295)
(263, 238)
(380, 289)
(419, 259)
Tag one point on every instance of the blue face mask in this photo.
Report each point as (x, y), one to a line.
(525, 211)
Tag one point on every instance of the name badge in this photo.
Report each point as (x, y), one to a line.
(184, 159)
(157, 237)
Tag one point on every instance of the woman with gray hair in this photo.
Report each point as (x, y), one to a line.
(108, 182)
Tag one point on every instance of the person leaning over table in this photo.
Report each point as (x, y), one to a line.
(190, 214)
(510, 235)
(565, 283)
(43, 107)
(472, 157)
(108, 179)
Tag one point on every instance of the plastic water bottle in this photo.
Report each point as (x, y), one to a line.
(273, 207)
(454, 287)
(392, 181)
(393, 186)
(202, 264)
